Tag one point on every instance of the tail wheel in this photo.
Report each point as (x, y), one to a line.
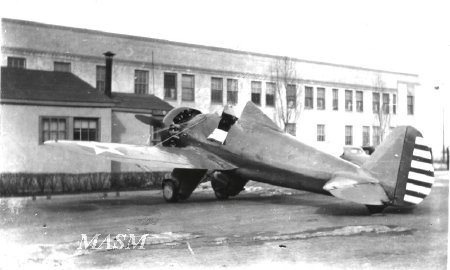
(170, 191)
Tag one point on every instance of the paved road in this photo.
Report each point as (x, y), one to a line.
(264, 225)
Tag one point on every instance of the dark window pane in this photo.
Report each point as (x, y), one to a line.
(217, 90)
(321, 98)
(141, 81)
(309, 97)
(349, 100)
(270, 94)
(170, 85)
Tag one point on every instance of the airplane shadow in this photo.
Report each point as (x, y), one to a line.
(324, 205)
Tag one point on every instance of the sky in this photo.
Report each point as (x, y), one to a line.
(405, 36)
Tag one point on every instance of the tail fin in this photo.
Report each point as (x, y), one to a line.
(403, 165)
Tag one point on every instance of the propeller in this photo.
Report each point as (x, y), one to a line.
(150, 120)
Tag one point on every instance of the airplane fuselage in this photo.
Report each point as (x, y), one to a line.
(277, 158)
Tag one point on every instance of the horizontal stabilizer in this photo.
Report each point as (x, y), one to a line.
(357, 189)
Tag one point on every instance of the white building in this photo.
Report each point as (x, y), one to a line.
(336, 102)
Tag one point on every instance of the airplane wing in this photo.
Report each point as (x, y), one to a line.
(154, 158)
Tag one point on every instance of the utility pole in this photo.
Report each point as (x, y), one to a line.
(443, 132)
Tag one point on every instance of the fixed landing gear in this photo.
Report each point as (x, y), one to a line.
(170, 190)
(375, 209)
(221, 194)
(226, 185)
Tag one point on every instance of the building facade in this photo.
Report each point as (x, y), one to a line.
(334, 104)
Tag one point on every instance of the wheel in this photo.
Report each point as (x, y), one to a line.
(170, 191)
(375, 209)
(221, 194)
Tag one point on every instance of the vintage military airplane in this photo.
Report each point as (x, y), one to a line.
(232, 151)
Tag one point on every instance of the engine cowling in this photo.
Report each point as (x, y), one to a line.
(174, 120)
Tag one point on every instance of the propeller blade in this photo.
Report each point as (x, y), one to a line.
(149, 120)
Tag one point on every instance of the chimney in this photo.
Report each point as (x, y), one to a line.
(108, 72)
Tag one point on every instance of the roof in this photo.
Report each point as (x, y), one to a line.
(140, 102)
(41, 85)
(46, 87)
(189, 45)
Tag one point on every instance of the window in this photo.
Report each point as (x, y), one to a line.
(170, 86)
(270, 94)
(232, 91)
(217, 90)
(53, 128)
(335, 99)
(100, 80)
(366, 136)
(394, 103)
(309, 97)
(359, 101)
(291, 96)
(410, 101)
(291, 128)
(321, 98)
(62, 66)
(320, 133)
(85, 129)
(376, 102)
(376, 135)
(348, 135)
(348, 100)
(16, 62)
(187, 87)
(386, 103)
(141, 81)
(256, 92)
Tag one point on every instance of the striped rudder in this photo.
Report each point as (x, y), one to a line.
(403, 166)
(421, 173)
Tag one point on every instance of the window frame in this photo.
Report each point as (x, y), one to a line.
(394, 103)
(359, 103)
(188, 91)
(61, 64)
(335, 99)
(320, 132)
(375, 101)
(167, 90)
(309, 99)
(11, 62)
(349, 138)
(376, 132)
(364, 133)
(270, 97)
(141, 82)
(232, 95)
(41, 127)
(410, 107)
(215, 93)
(349, 108)
(386, 105)
(319, 98)
(291, 96)
(256, 92)
(97, 132)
